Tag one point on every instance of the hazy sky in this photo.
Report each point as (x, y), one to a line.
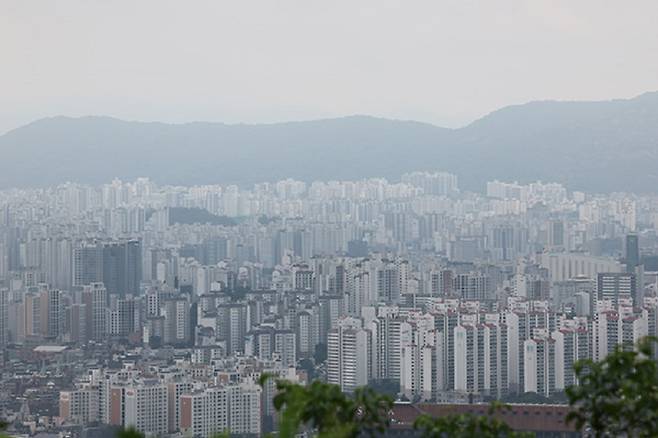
(444, 62)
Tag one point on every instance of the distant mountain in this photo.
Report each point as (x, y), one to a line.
(595, 146)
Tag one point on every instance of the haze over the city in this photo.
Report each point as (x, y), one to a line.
(328, 219)
(442, 62)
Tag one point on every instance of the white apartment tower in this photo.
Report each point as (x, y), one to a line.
(348, 347)
(146, 407)
(480, 361)
(234, 408)
(418, 356)
(539, 366)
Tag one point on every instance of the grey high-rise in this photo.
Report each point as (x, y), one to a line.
(632, 252)
(615, 285)
(122, 267)
(87, 265)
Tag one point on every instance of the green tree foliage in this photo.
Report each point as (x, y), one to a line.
(467, 425)
(129, 432)
(617, 396)
(322, 407)
(3, 426)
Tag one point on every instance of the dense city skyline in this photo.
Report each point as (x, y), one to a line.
(158, 306)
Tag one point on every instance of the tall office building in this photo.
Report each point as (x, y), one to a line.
(632, 253)
(505, 241)
(635, 266)
(94, 298)
(303, 278)
(387, 284)
(51, 311)
(614, 286)
(307, 331)
(556, 235)
(117, 264)
(87, 265)
(78, 323)
(177, 330)
(122, 267)
(472, 286)
(4, 317)
(32, 314)
(232, 326)
(441, 282)
(124, 316)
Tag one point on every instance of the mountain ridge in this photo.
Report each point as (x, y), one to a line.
(587, 145)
